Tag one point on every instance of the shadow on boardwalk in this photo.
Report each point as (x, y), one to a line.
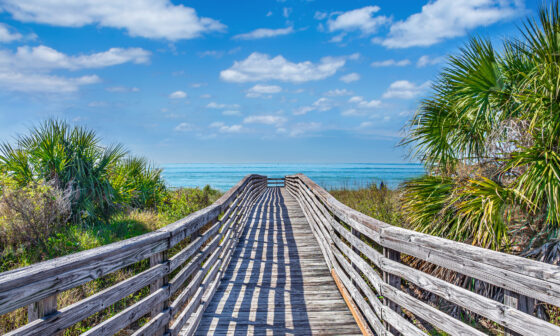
(267, 286)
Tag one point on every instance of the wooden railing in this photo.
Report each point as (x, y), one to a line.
(184, 264)
(367, 257)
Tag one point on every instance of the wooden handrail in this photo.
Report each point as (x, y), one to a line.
(366, 254)
(209, 234)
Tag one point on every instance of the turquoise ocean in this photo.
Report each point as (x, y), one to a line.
(348, 175)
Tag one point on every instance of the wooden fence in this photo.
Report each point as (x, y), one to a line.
(186, 262)
(366, 256)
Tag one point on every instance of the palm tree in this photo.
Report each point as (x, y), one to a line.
(489, 135)
(68, 157)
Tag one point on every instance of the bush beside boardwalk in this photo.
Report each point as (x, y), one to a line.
(62, 192)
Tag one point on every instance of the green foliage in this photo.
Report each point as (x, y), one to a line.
(490, 137)
(378, 202)
(30, 214)
(104, 179)
(137, 183)
(68, 157)
(183, 201)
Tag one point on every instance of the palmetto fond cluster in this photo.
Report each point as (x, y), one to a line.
(489, 135)
(102, 178)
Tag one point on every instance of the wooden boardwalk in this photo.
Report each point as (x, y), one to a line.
(277, 282)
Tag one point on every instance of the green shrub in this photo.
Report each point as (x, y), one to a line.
(184, 201)
(67, 157)
(29, 215)
(137, 183)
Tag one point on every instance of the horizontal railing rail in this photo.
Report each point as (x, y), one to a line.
(368, 257)
(185, 262)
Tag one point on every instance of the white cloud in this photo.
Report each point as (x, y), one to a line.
(36, 83)
(260, 67)
(259, 90)
(122, 89)
(427, 60)
(223, 128)
(178, 95)
(322, 104)
(6, 35)
(264, 33)
(338, 93)
(390, 62)
(362, 103)
(444, 19)
(265, 119)
(286, 12)
(351, 77)
(303, 110)
(304, 128)
(28, 68)
(215, 105)
(404, 89)
(206, 96)
(150, 19)
(231, 112)
(358, 19)
(184, 127)
(365, 124)
(320, 15)
(338, 38)
(46, 58)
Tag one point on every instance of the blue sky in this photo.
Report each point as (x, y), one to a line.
(236, 81)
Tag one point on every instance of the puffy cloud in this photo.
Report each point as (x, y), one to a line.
(265, 119)
(338, 93)
(358, 19)
(28, 69)
(427, 60)
(264, 33)
(223, 128)
(351, 77)
(46, 58)
(303, 110)
(215, 105)
(261, 67)
(6, 35)
(405, 90)
(178, 95)
(184, 127)
(362, 103)
(444, 19)
(259, 90)
(390, 62)
(42, 83)
(322, 104)
(150, 19)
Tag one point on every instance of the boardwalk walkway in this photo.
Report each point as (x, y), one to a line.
(277, 282)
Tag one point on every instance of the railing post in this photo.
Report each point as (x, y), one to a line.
(394, 281)
(42, 308)
(155, 260)
(519, 302)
